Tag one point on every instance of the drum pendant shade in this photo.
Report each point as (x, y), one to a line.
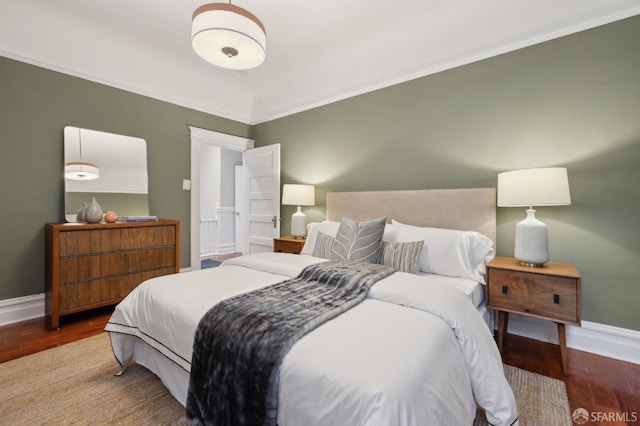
(228, 36)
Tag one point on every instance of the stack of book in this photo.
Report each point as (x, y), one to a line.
(138, 218)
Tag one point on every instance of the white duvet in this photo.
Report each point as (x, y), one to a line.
(415, 352)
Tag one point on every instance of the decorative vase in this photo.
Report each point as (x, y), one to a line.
(80, 216)
(93, 212)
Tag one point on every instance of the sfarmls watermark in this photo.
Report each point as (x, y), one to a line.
(581, 416)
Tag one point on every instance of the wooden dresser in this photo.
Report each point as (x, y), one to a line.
(93, 265)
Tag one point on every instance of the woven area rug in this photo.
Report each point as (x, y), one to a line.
(75, 384)
(541, 400)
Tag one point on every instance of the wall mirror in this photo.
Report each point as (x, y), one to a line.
(120, 163)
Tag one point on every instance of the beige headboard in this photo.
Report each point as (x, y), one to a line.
(472, 209)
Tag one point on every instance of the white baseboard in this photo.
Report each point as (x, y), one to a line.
(28, 307)
(21, 308)
(600, 339)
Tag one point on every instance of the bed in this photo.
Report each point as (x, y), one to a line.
(417, 350)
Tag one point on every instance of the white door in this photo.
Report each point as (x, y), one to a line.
(262, 183)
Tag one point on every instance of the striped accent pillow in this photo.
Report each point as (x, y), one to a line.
(404, 257)
(358, 241)
(323, 245)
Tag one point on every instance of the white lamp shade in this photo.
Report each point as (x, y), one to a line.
(298, 195)
(534, 187)
(228, 36)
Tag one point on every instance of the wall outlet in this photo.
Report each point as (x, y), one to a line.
(186, 184)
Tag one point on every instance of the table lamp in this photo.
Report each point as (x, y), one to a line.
(298, 195)
(527, 188)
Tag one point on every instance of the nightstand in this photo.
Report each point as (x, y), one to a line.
(288, 244)
(551, 292)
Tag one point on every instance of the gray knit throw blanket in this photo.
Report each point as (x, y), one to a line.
(240, 343)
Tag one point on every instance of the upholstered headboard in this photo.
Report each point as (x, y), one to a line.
(472, 209)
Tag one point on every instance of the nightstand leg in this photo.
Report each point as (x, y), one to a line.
(563, 347)
(503, 322)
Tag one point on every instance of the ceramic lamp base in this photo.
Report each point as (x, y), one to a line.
(298, 224)
(532, 245)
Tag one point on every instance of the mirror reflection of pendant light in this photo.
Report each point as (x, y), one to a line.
(228, 36)
(81, 170)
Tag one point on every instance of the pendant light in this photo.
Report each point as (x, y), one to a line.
(228, 36)
(81, 170)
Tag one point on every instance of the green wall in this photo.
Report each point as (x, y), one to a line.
(35, 106)
(573, 102)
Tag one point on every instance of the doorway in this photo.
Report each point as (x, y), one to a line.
(218, 201)
(257, 192)
(208, 148)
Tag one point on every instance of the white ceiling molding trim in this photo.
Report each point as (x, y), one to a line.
(307, 66)
(221, 140)
(241, 118)
(466, 60)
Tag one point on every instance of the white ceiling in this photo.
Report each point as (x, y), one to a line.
(317, 51)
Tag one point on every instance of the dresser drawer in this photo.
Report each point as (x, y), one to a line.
(545, 296)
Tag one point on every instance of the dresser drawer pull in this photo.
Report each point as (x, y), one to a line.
(556, 298)
(505, 289)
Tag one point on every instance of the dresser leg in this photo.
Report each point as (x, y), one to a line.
(53, 322)
(563, 347)
(503, 322)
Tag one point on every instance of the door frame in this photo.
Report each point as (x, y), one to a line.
(200, 137)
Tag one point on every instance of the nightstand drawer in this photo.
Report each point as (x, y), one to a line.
(546, 296)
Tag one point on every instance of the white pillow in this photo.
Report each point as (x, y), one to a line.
(327, 227)
(447, 251)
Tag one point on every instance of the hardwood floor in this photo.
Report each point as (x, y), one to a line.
(595, 383)
(605, 387)
(27, 337)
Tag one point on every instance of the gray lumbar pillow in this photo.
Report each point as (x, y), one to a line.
(404, 257)
(358, 241)
(323, 246)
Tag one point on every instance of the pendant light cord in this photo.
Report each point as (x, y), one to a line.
(80, 142)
